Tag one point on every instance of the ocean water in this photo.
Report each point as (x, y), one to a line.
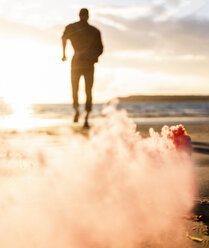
(134, 109)
(140, 112)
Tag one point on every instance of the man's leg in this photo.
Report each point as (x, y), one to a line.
(75, 77)
(89, 80)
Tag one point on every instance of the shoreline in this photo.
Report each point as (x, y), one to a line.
(7, 124)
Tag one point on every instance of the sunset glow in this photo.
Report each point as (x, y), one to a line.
(150, 48)
(113, 154)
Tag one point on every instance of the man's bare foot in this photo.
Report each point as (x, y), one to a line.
(76, 116)
(86, 125)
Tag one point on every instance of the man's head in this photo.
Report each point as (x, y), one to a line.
(84, 14)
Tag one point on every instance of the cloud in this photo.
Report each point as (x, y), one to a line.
(173, 2)
(178, 36)
(11, 29)
(178, 46)
(135, 27)
(133, 11)
(140, 34)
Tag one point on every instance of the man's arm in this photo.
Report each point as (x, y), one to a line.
(64, 43)
(65, 37)
(100, 44)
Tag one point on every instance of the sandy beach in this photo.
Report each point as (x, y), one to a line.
(199, 134)
(197, 228)
(104, 124)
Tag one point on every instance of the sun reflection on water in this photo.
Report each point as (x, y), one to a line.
(23, 118)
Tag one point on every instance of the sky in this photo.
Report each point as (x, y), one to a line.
(150, 47)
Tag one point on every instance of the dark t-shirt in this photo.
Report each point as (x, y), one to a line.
(86, 41)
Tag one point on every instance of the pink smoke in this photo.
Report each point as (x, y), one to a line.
(113, 189)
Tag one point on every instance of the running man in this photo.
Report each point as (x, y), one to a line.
(87, 45)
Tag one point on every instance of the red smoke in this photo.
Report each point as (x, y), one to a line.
(113, 189)
(179, 136)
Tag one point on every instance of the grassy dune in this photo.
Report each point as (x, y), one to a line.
(163, 98)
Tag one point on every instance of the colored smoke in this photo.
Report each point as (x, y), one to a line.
(112, 189)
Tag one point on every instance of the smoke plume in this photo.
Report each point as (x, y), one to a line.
(111, 189)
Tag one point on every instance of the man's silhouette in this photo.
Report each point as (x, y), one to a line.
(87, 44)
